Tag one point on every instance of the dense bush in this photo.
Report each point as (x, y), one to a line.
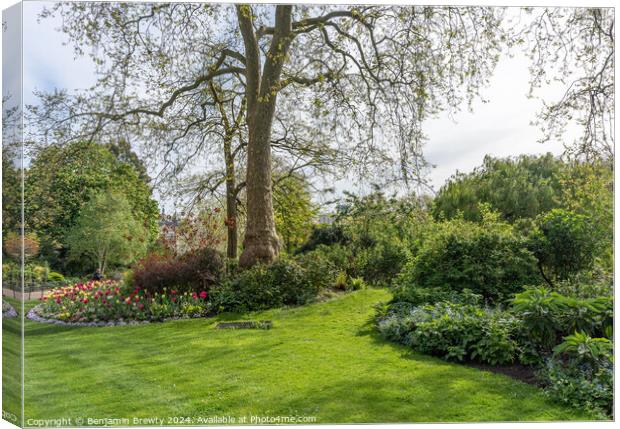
(265, 286)
(565, 243)
(548, 316)
(580, 374)
(455, 331)
(490, 259)
(320, 269)
(422, 296)
(381, 262)
(194, 271)
(324, 235)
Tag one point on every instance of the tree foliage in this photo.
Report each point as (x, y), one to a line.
(566, 243)
(294, 211)
(106, 232)
(518, 188)
(62, 180)
(359, 77)
(575, 47)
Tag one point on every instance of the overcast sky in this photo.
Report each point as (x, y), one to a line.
(500, 127)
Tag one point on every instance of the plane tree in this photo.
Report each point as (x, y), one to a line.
(364, 77)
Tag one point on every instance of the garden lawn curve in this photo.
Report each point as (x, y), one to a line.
(324, 360)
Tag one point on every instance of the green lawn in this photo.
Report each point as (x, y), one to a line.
(323, 360)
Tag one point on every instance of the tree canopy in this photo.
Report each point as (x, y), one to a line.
(359, 77)
(521, 187)
(62, 180)
(106, 232)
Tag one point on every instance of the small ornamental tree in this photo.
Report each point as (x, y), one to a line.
(13, 245)
(106, 233)
(294, 211)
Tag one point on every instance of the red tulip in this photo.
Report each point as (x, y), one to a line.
(203, 294)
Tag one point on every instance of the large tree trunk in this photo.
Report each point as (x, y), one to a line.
(261, 242)
(231, 200)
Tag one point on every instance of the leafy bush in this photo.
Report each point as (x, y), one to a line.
(357, 283)
(581, 386)
(580, 373)
(261, 287)
(565, 242)
(547, 316)
(382, 261)
(341, 281)
(325, 235)
(455, 332)
(194, 271)
(422, 296)
(320, 269)
(584, 349)
(489, 259)
(53, 276)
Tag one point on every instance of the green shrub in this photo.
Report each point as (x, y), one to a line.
(489, 259)
(381, 262)
(422, 296)
(547, 316)
(584, 349)
(580, 373)
(341, 282)
(357, 283)
(261, 287)
(53, 276)
(454, 331)
(325, 235)
(320, 270)
(581, 386)
(565, 243)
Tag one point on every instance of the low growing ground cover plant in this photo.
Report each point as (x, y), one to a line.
(455, 331)
(580, 373)
(110, 301)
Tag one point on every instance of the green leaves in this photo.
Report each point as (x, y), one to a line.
(582, 347)
(106, 232)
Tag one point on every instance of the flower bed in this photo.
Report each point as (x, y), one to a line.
(8, 311)
(101, 302)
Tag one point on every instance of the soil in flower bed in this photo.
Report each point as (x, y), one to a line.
(523, 373)
(246, 324)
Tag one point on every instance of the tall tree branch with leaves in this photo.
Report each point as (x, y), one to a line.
(373, 73)
(575, 47)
